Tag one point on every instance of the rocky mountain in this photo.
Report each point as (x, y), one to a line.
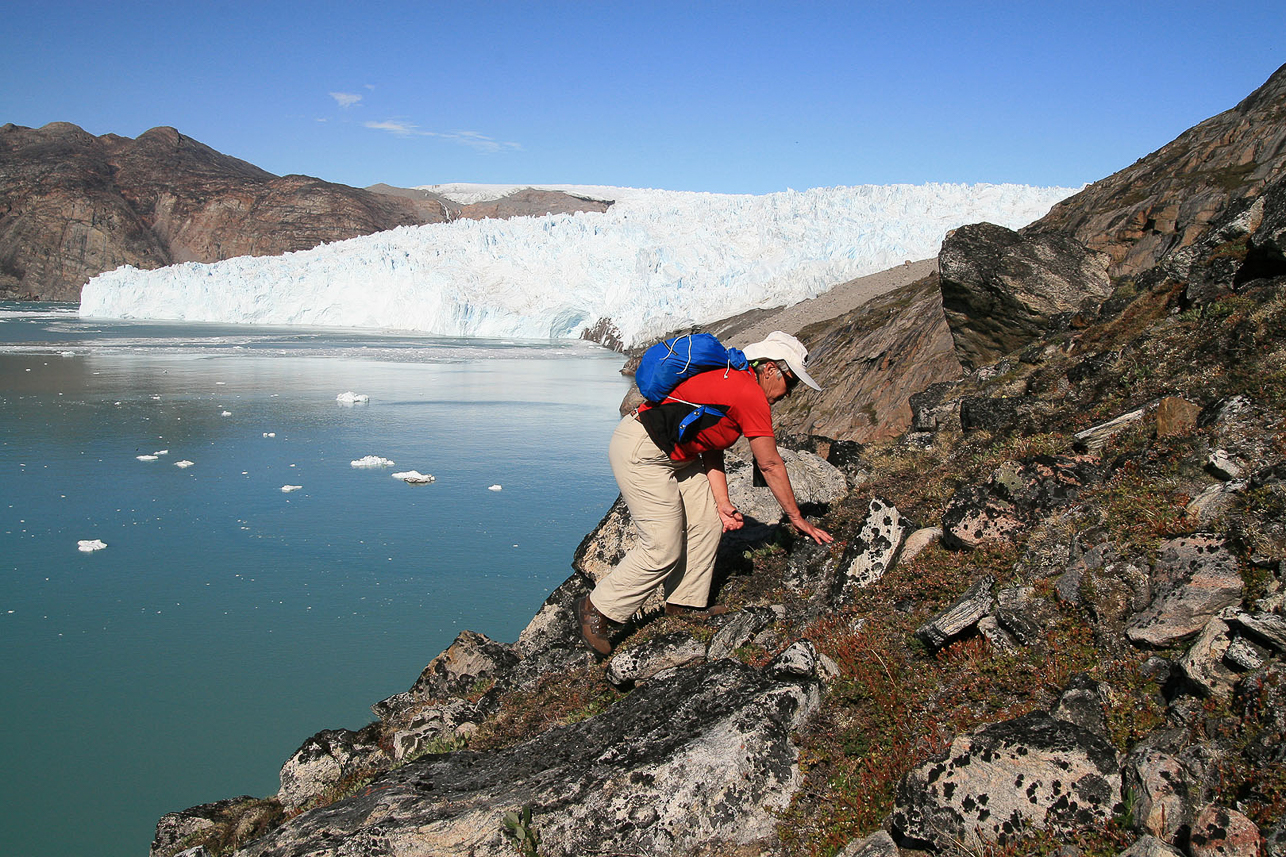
(73, 205)
(1166, 200)
(1053, 619)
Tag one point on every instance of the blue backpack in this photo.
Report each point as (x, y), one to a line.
(671, 361)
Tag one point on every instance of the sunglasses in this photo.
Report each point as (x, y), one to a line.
(791, 379)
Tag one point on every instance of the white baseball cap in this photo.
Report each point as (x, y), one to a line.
(784, 347)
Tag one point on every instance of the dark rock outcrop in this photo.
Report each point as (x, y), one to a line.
(1000, 290)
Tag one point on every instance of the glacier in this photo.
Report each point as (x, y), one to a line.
(657, 260)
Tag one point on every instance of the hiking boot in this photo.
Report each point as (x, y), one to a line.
(695, 613)
(594, 627)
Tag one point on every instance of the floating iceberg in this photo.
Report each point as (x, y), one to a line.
(495, 487)
(414, 477)
(90, 545)
(372, 461)
(351, 398)
(184, 463)
(146, 457)
(286, 489)
(655, 261)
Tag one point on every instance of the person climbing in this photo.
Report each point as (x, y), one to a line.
(677, 491)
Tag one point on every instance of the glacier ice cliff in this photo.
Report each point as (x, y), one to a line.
(656, 261)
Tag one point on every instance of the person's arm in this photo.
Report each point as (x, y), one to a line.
(774, 471)
(712, 463)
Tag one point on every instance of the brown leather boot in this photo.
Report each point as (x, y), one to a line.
(695, 613)
(594, 627)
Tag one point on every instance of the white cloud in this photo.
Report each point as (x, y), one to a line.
(345, 99)
(472, 139)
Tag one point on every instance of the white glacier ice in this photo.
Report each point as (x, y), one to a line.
(415, 477)
(286, 489)
(350, 398)
(655, 261)
(90, 545)
(372, 461)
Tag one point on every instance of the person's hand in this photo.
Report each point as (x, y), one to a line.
(817, 534)
(731, 519)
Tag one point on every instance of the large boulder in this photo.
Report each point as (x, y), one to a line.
(1001, 290)
(992, 786)
(700, 756)
(1195, 578)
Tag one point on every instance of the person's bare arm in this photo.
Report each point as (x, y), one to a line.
(712, 463)
(774, 471)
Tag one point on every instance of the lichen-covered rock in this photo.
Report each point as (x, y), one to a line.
(1196, 577)
(1082, 703)
(213, 826)
(327, 759)
(641, 662)
(918, 541)
(1160, 784)
(871, 551)
(975, 516)
(703, 755)
(1222, 832)
(1033, 772)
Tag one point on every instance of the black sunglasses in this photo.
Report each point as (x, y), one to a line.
(791, 379)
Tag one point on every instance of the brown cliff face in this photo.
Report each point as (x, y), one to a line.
(870, 361)
(1164, 201)
(73, 205)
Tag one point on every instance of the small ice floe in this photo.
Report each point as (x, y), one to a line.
(156, 398)
(286, 489)
(226, 414)
(220, 383)
(184, 463)
(270, 434)
(162, 452)
(351, 398)
(146, 457)
(372, 461)
(90, 545)
(66, 353)
(414, 477)
(495, 487)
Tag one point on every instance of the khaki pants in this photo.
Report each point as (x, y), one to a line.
(678, 526)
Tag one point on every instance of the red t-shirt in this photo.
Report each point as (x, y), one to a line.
(735, 392)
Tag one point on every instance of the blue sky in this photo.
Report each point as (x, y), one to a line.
(742, 97)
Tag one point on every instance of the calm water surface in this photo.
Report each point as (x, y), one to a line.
(226, 621)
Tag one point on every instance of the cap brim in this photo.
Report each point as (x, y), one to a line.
(803, 375)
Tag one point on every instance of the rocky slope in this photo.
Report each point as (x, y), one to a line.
(73, 205)
(1052, 620)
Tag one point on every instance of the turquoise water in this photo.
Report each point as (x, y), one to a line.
(226, 621)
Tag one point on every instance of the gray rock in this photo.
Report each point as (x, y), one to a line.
(813, 478)
(960, 616)
(918, 541)
(1150, 846)
(871, 551)
(663, 652)
(325, 760)
(993, 785)
(738, 629)
(1022, 614)
(1203, 663)
(1269, 628)
(1224, 466)
(1244, 655)
(471, 659)
(1082, 703)
(1197, 576)
(416, 730)
(878, 844)
(1160, 784)
(1000, 639)
(1096, 437)
(1000, 290)
(1212, 502)
(799, 661)
(701, 756)
(223, 823)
